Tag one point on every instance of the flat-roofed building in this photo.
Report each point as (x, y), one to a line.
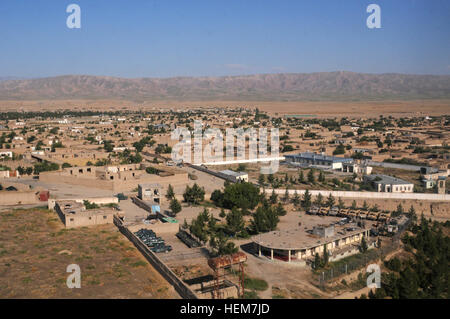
(389, 184)
(236, 176)
(150, 192)
(74, 214)
(301, 245)
(309, 158)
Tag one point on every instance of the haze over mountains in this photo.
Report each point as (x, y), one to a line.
(326, 86)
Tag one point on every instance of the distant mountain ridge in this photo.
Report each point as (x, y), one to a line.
(325, 86)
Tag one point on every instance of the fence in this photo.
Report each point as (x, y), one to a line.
(183, 290)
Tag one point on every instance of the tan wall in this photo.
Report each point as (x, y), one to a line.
(158, 228)
(96, 200)
(18, 198)
(80, 221)
(113, 185)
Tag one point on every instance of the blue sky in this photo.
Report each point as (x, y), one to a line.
(134, 38)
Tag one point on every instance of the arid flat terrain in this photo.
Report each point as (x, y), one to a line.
(35, 250)
(316, 109)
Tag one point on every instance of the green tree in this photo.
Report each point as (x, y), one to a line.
(319, 200)
(321, 177)
(170, 193)
(221, 245)
(311, 178)
(261, 180)
(330, 201)
(235, 221)
(175, 206)
(273, 198)
(306, 203)
(296, 199)
(194, 194)
(301, 177)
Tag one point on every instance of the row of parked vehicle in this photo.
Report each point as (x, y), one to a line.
(348, 212)
(156, 244)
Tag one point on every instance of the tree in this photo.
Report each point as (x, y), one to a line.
(296, 199)
(321, 177)
(273, 198)
(235, 221)
(354, 204)
(311, 178)
(221, 245)
(264, 219)
(301, 177)
(306, 203)
(363, 245)
(340, 149)
(365, 206)
(242, 195)
(317, 261)
(261, 180)
(194, 194)
(286, 195)
(319, 200)
(330, 201)
(175, 206)
(412, 213)
(340, 204)
(170, 193)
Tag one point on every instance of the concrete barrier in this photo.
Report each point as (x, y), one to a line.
(181, 288)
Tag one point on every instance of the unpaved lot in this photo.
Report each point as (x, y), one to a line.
(35, 250)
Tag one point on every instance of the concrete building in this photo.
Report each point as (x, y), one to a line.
(308, 158)
(300, 245)
(237, 176)
(389, 184)
(355, 167)
(74, 214)
(150, 193)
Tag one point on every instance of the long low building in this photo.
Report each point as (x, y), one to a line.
(300, 245)
(389, 184)
(318, 159)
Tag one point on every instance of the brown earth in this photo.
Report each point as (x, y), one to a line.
(317, 109)
(35, 250)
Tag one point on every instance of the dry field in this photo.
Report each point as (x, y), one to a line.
(35, 250)
(318, 109)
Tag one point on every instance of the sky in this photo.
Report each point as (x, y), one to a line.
(166, 38)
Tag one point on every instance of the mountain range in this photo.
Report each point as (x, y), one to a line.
(323, 86)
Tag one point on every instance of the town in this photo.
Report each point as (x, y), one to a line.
(343, 193)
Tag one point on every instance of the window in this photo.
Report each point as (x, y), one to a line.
(71, 219)
(104, 217)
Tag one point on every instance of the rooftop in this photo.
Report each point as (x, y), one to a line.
(233, 173)
(319, 157)
(385, 179)
(297, 239)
